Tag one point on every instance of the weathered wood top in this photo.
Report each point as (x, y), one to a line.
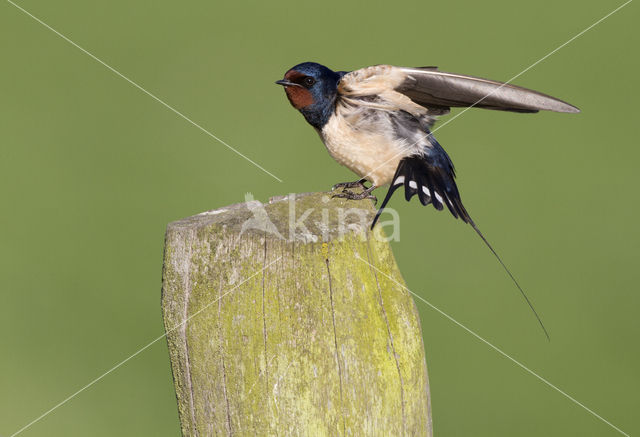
(323, 217)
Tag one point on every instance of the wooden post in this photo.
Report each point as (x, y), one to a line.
(278, 325)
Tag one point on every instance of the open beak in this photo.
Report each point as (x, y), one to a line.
(285, 82)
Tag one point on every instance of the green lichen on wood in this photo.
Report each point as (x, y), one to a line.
(292, 337)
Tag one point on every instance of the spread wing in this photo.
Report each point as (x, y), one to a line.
(411, 98)
(437, 91)
(432, 88)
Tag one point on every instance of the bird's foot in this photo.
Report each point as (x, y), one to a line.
(364, 194)
(355, 184)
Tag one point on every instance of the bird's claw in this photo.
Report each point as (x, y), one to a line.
(350, 195)
(355, 184)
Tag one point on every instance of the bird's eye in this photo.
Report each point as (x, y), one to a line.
(309, 81)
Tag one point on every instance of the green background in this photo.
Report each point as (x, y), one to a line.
(92, 170)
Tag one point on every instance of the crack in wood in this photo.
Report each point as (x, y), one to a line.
(224, 369)
(264, 318)
(335, 341)
(189, 380)
(393, 348)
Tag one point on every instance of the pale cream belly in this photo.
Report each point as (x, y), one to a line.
(372, 156)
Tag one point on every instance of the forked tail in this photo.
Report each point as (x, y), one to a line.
(432, 178)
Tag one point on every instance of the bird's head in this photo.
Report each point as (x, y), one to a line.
(311, 88)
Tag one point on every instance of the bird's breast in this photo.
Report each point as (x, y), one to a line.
(365, 143)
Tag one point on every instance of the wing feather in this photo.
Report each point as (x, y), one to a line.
(432, 88)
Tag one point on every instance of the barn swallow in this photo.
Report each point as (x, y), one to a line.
(377, 122)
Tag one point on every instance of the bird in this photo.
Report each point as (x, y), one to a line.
(377, 121)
